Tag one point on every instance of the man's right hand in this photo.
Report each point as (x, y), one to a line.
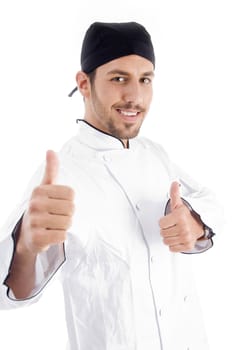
(49, 213)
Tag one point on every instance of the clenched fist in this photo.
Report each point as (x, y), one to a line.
(50, 210)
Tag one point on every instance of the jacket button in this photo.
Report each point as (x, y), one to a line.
(185, 299)
(152, 259)
(137, 207)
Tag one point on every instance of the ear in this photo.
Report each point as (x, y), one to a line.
(83, 84)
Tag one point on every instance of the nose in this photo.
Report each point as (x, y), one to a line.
(133, 93)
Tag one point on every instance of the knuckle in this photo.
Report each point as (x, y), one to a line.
(37, 191)
(34, 206)
(65, 192)
(36, 221)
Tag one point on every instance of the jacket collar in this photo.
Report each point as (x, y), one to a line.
(95, 138)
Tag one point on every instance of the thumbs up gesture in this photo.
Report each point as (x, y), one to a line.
(49, 213)
(180, 229)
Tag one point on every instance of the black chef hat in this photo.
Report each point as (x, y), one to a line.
(105, 42)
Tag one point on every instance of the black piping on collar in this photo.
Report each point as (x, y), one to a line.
(103, 132)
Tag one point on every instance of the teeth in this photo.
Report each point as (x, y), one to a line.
(129, 114)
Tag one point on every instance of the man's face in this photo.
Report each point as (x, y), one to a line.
(120, 96)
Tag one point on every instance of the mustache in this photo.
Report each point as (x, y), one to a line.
(130, 106)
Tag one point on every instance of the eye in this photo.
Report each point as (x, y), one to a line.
(119, 79)
(146, 80)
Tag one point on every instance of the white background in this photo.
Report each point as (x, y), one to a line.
(191, 116)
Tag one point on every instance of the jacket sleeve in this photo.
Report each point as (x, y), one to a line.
(47, 263)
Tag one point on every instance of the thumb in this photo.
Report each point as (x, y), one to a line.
(175, 199)
(51, 168)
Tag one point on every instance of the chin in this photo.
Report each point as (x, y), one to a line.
(130, 135)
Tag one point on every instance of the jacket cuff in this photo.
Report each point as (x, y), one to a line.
(47, 264)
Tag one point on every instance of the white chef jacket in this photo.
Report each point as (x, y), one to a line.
(123, 288)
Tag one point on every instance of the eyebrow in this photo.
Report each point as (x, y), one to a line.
(122, 72)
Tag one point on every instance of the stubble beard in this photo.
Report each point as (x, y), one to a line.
(109, 124)
(128, 131)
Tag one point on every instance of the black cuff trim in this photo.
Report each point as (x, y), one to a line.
(15, 237)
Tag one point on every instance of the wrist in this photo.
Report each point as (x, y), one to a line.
(207, 233)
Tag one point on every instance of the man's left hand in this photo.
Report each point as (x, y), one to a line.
(179, 229)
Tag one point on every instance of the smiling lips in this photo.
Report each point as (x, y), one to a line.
(128, 115)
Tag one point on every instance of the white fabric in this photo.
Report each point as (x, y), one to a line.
(123, 289)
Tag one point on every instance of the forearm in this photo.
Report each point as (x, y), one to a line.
(21, 279)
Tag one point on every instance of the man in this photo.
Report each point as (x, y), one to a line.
(101, 215)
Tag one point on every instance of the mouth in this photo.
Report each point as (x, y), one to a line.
(128, 115)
